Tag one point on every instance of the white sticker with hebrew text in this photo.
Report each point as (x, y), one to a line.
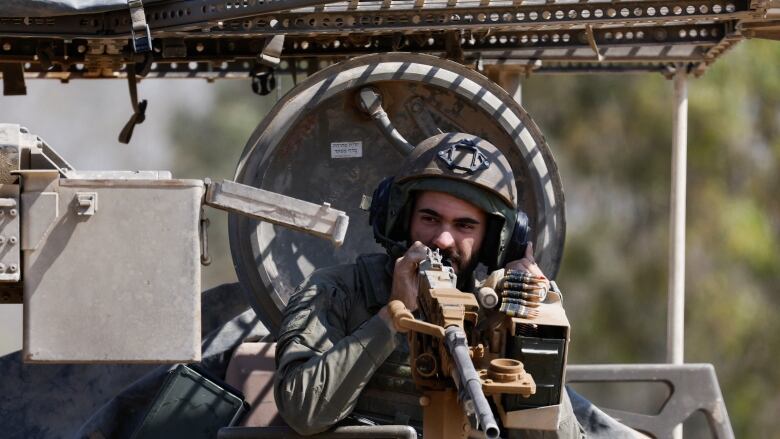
(345, 150)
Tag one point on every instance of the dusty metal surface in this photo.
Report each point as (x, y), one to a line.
(106, 259)
(693, 387)
(10, 249)
(318, 131)
(319, 220)
(220, 38)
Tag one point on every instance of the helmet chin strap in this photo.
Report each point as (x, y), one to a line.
(394, 248)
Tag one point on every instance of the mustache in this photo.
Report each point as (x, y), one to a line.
(450, 257)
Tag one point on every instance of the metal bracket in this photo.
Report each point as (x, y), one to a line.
(271, 55)
(592, 42)
(694, 387)
(205, 259)
(321, 221)
(10, 253)
(141, 35)
(13, 79)
(86, 203)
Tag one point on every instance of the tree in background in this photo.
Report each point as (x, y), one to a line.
(611, 135)
(612, 138)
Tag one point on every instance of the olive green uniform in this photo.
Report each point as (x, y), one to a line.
(335, 355)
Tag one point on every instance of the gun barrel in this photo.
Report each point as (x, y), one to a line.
(455, 340)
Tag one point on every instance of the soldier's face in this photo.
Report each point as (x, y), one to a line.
(454, 226)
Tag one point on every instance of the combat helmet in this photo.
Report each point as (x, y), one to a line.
(459, 164)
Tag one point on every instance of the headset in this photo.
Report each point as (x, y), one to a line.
(378, 213)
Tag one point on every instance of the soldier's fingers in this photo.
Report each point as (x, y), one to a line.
(529, 252)
(417, 252)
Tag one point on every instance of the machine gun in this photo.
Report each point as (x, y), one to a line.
(448, 348)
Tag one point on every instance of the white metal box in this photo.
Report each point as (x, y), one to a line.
(111, 268)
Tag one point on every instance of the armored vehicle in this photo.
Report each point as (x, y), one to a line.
(380, 76)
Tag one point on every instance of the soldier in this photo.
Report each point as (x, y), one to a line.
(338, 356)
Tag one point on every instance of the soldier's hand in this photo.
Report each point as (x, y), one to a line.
(406, 277)
(528, 265)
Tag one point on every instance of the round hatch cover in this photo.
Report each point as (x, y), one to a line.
(317, 145)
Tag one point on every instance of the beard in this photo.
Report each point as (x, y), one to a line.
(463, 267)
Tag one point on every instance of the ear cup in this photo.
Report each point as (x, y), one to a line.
(519, 241)
(377, 212)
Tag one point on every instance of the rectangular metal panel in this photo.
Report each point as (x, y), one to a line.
(117, 276)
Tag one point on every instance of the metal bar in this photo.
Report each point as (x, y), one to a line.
(303, 23)
(655, 41)
(346, 432)
(675, 326)
(675, 332)
(318, 220)
(185, 14)
(191, 15)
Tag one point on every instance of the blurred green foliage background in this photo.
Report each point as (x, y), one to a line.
(611, 135)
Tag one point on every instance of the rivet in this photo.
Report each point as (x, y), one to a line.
(12, 268)
(2, 240)
(200, 47)
(2, 267)
(6, 46)
(12, 212)
(12, 240)
(81, 48)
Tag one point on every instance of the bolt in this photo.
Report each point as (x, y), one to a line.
(7, 46)
(12, 212)
(200, 47)
(12, 240)
(81, 48)
(12, 268)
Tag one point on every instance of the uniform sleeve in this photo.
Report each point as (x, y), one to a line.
(321, 369)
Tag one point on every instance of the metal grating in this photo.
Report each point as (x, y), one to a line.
(221, 39)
